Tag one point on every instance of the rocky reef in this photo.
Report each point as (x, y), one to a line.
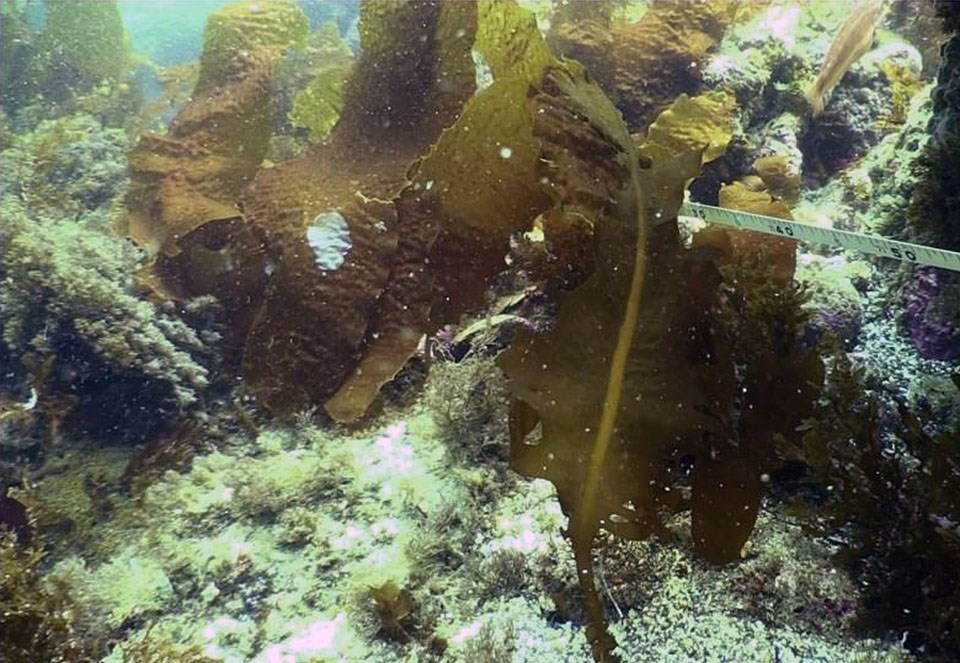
(231, 430)
(81, 345)
(932, 299)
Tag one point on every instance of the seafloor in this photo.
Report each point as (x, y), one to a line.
(174, 487)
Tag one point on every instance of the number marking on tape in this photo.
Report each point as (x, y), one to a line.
(872, 245)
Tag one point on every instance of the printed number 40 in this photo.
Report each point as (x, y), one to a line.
(785, 230)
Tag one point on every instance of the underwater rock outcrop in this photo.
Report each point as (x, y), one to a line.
(932, 315)
(933, 302)
(15, 50)
(76, 59)
(899, 512)
(81, 46)
(74, 329)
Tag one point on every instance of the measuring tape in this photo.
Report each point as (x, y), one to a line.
(875, 246)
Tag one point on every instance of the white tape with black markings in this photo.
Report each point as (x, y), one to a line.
(876, 246)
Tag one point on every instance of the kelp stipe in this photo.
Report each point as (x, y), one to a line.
(613, 384)
(583, 524)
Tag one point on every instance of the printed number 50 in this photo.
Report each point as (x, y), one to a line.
(905, 253)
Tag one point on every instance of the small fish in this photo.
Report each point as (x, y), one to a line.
(853, 40)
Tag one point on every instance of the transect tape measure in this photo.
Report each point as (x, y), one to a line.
(876, 246)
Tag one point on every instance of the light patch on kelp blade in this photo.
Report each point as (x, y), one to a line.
(329, 237)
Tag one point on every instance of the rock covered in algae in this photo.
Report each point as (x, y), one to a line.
(68, 298)
(82, 45)
(933, 306)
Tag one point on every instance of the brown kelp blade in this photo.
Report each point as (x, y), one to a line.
(617, 382)
(471, 190)
(644, 66)
(185, 184)
(348, 292)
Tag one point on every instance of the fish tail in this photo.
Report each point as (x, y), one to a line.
(814, 96)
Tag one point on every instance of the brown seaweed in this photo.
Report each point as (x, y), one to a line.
(185, 184)
(644, 66)
(619, 380)
(640, 365)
